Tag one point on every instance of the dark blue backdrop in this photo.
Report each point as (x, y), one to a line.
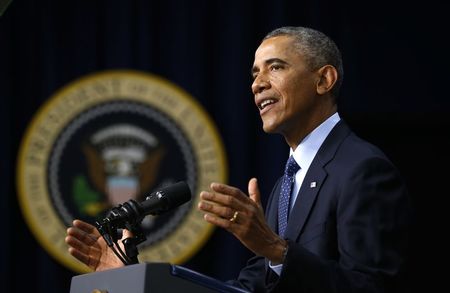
(395, 95)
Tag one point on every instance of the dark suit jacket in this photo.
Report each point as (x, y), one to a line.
(348, 229)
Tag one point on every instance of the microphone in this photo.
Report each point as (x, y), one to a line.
(130, 214)
(166, 199)
(157, 203)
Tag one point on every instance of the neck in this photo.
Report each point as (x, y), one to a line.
(294, 138)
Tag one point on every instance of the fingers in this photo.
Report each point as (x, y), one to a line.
(228, 207)
(82, 240)
(222, 211)
(79, 255)
(233, 192)
(89, 255)
(86, 227)
(218, 221)
(221, 205)
(83, 236)
(253, 191)
(226, 196)
(224, 201)
(91, 262)
(88, 246)
(243, 216)
(78, 244)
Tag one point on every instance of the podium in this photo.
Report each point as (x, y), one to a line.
(149, 278)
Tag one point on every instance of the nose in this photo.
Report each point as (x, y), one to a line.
(260, 84)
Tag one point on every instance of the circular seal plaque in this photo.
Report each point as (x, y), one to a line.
(113, 136)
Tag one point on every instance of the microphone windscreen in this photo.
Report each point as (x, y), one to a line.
(177, 194)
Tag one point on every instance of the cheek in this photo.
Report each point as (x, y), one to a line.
(290, 94)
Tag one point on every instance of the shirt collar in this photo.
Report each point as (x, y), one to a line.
(309, 146)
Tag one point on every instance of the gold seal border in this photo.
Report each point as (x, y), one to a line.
(203, 136)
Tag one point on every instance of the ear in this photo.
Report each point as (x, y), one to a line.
(327, 78)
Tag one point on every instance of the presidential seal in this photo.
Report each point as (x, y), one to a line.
(110, 137)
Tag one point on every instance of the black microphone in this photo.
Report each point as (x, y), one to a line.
(166, 199)
(130, 214)
(157, 203)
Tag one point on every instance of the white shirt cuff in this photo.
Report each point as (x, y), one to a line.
(277, 268)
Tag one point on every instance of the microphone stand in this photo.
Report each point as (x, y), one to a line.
(131, 243)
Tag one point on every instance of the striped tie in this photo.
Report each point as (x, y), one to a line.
(286, 188)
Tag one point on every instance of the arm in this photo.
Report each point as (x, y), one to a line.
(253, 276)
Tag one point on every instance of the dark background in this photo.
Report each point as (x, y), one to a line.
(395, 94)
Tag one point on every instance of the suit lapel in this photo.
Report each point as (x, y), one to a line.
(305, 200)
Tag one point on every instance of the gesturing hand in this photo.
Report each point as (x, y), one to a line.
(230, 208)
(88, 246)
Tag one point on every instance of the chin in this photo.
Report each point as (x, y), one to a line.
(269, 128)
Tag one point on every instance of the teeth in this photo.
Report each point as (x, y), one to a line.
(265, 103)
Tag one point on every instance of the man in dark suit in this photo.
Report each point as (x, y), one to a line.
(337, 220)
(347, 207)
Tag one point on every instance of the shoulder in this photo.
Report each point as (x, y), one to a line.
(354, 149)
(347, 148)
(346, 157)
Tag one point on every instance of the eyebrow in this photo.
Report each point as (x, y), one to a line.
(267, 62)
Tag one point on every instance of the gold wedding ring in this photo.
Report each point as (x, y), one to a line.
(234, 216)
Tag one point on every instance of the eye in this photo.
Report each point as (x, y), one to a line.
(275, 67)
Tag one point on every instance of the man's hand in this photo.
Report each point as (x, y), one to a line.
(242, 215)
(88, 246)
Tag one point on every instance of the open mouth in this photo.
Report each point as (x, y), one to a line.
(266, 103)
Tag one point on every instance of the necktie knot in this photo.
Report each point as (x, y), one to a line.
(291, 167)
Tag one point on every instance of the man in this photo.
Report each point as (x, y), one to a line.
(337, 221)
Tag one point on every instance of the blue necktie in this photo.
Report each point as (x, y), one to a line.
(286, 188)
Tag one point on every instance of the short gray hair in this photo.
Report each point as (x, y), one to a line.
(318, 49)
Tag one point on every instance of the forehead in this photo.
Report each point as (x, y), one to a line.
(279, 47)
